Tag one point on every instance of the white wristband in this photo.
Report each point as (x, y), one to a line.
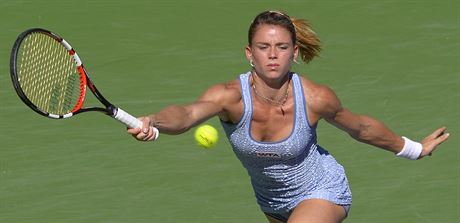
(411, 149)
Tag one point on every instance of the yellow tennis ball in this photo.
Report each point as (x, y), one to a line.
(206, 136)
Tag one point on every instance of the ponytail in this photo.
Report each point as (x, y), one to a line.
(306, 39)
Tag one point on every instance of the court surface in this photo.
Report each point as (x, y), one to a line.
(397, 61)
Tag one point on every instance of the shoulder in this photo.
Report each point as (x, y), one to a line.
(321, 99)
(223, 93)
(227, 88)
(227, 97)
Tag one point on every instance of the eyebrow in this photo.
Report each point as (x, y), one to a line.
(268, 44)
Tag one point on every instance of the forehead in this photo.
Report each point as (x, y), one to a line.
(269, 33)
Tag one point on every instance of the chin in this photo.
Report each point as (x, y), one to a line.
(275, 74)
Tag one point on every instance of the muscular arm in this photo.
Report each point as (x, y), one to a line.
(364, 128)
(360, 127)
(176, 119)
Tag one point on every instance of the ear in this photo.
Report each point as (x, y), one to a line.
(296, 51)
(248, 52)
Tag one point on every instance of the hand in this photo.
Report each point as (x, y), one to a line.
(432, 141)
(146, 133)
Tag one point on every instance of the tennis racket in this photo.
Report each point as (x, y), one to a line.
(50, 78)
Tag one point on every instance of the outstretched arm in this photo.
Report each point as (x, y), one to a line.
(371, 131)
(176, 119)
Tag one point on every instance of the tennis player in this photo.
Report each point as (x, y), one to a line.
(270, 116)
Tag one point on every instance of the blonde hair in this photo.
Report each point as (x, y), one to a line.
(301, 32)
(306, 39)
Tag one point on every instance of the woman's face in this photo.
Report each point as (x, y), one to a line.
(271, 51)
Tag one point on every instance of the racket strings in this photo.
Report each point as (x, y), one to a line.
(48, 74)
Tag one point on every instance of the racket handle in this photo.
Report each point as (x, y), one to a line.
(132, 121)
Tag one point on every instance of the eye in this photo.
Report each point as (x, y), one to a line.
(262, 47)
(284, 47)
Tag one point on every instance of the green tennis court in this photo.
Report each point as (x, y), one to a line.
(398, 61)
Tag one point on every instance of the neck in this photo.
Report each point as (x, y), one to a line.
(271, 84)
(273, 93)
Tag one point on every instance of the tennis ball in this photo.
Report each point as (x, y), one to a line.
(206, 136)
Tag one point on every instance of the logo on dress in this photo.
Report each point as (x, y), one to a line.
(268, 154)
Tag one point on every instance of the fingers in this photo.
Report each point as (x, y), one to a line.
(442, 137)
(149, 135)
(438, 136)
(134, 131)
(146, 132)
(438, 132)
(145, 125)
(431, 142)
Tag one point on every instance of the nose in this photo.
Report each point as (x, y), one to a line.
(272, 54)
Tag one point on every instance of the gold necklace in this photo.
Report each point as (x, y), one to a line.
(271, 101)
(279, 103)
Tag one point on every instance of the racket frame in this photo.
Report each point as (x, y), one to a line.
(85, 81)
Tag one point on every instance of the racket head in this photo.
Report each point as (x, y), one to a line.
(47, 74)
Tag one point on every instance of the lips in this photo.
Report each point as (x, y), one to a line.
(273, 65)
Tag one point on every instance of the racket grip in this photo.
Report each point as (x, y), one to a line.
(132, 121)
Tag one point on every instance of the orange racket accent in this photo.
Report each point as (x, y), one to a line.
(81, 98)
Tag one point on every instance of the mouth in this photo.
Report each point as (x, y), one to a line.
(273, 66)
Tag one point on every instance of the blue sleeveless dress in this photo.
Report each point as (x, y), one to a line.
(286, 172)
